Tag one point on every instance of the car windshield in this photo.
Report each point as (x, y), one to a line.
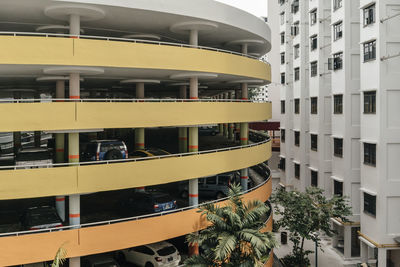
(109, 146)
(157, 152)
(30, 156)
(166, 251)
(43, 217)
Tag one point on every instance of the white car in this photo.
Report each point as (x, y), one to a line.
(157, 254)
(27, 158)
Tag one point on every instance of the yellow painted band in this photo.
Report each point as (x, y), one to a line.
(73, 115)
(28, 50)
(98, 239)
(60, 181)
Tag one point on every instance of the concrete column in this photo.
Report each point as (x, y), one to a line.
(74, 200)
(382, 257)
(17, 141)
(231, 131)
(194, 37)
(194, 88)
(183, 92)
(364, 252)
(245, 92)
(139, 138)
(60, 150)
(139, 132)
(75, 262)
(238, 96)
(74, 86)
(244, 140)
(347, 242)
(74, 24)
(183, 136)
(245, 48)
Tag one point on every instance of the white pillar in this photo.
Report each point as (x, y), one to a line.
(244, 140)
(194, 88)
(364, 252)
(74, 210)
(245, 49)
(74, 24)
(245, 92)
(382, 255)
(183, 92)
(74, 86)
(347, 241)
(140, 90)
(75, 262)
(194, 37)
(183, 136)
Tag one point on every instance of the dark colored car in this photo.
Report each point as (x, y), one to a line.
(42, 217)
(100, 260)
(140, 203)
(104, 150)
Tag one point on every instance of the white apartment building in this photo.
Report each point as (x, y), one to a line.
(340, 127)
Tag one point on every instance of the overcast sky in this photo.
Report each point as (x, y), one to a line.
(256, 7)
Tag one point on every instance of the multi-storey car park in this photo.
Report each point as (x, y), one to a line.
(342, 115)
(150, 73)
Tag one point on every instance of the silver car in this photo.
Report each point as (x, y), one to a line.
(36, 157)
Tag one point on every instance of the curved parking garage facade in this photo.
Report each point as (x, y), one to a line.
(76, 72)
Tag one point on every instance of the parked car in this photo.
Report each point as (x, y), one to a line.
(149, 152)
(9, 221)
(100, 260)
(152, 255)
(208, 130)
(104, 150)
(213, 186)
(33, 156)
(140, 203)
(42, 217)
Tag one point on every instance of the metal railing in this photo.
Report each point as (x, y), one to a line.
(135, 218)
(51, 165)
(126, 40)
(123, 100)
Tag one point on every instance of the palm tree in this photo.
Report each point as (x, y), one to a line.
(60, 257)
(234, 237)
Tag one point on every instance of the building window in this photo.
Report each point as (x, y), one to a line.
(295, 6)
(337, 104)
(370, 154)
(297, 171)
(337, 62)
(369, 51)
(282, 106)
(314, 105)
(337, 31)
(313, 16)
(369, 15)
(282, 16)
(283, 58)
(282, 164)
(282, 78)
(314, 142)
(283, 132)
(370, 204)
(296, 51)
(297, 74)
(314, 178)
(337, 4)
(338, 147)
(296, 138)
(337, 188)
(314, 68)
(297, 106)
(370, 102)
(295, 29)
(313, 42)
(282, 37)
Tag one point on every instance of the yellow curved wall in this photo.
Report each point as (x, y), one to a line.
(76, 115)
(102, 53)
(31, 183)
(98, 239)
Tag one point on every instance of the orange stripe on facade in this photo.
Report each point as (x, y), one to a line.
(244, 177)
(245, 99)
(193, 195)
(140, 144)
(183, 138)
(74, 97)
(75, 215)
(194, 97)
(59, 149)
(244, 138)
(73, 156)
(60, 198)
(193, 146)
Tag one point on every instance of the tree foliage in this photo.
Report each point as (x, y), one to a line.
(305, 215)
(234, 237)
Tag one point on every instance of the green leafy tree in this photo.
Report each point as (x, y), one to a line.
(234, 237)
(304, 215)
